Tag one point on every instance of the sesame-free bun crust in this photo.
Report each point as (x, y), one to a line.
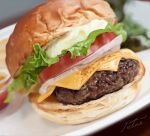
(57, 112)
(49, 21)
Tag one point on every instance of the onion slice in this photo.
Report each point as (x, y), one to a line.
(108, 48)
(5, 74)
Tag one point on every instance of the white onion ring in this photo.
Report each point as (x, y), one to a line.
(108, 48)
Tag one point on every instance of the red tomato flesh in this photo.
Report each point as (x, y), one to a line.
(59, 67)
(3, 96)
(66, 61)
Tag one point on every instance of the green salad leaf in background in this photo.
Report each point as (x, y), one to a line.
(138, 38)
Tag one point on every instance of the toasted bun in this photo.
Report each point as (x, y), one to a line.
(49, 21)
(55, 111)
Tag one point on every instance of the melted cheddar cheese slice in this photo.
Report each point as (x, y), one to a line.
(76, 80)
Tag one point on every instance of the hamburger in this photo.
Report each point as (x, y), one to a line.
(65, 55)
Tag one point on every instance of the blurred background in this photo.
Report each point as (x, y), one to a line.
(134, 14)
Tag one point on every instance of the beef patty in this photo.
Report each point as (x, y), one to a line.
(101, 83)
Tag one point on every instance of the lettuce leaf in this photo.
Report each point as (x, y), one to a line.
(81, 48)
(39, 60)
(30, 71)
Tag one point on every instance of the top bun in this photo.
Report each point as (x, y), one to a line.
(49, 21)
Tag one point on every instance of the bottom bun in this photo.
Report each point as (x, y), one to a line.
(57, 112)
(68, 114)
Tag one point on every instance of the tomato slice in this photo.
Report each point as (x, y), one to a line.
(66, 61)
(59, 67)
(3, 96)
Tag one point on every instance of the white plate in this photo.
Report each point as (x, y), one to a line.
(26, 122)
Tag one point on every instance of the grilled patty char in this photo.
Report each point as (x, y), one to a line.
(100, 84)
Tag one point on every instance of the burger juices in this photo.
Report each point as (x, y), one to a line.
(65, 55)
